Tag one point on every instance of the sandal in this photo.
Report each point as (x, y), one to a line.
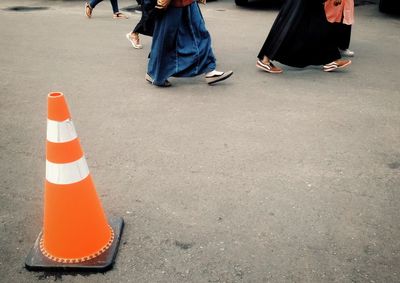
(134, 40)
(88, 10)
(269, 67)
(119, 15)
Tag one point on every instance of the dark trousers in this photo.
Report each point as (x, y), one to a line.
(114, 4)
(149, 13)
(342, 35)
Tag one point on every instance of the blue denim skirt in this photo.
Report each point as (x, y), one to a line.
(181, 45)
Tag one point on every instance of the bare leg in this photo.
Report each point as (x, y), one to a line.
(266, 60)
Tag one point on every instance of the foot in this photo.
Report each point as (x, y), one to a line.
(150, 80)
(346, 52)
(134, 39)
(337, 64)
(217, 76)
(119, 15)
(88, 10)
(268, 67)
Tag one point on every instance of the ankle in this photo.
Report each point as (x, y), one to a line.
(265, 60)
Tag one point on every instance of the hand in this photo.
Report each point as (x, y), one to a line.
(202, 1)
(162, 4)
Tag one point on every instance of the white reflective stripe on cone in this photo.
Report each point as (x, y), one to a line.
(67, 173)
(59, 132)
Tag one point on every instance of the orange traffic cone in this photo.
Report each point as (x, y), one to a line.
(76, 233)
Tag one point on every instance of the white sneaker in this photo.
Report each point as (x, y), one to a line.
(346, 52)
(217, 76)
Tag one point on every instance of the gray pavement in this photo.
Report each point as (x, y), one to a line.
(263, 178)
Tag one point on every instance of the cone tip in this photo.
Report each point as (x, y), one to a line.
(55, 94)
(57, 107)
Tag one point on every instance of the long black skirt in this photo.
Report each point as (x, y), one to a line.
(301, 35)
(146, 24)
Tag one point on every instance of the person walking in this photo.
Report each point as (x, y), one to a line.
(300, 37)
(341, 14)
(146, 24)
(114, 4)
(181, 45)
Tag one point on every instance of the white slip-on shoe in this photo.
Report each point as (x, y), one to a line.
(218, 77)
(150, 80)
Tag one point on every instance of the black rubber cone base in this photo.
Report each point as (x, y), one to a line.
(36, 261)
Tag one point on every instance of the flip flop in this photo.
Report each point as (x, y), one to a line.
(88, 10)
(119, 15)
(218, 78)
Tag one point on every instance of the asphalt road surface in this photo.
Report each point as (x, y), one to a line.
(262, 178)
